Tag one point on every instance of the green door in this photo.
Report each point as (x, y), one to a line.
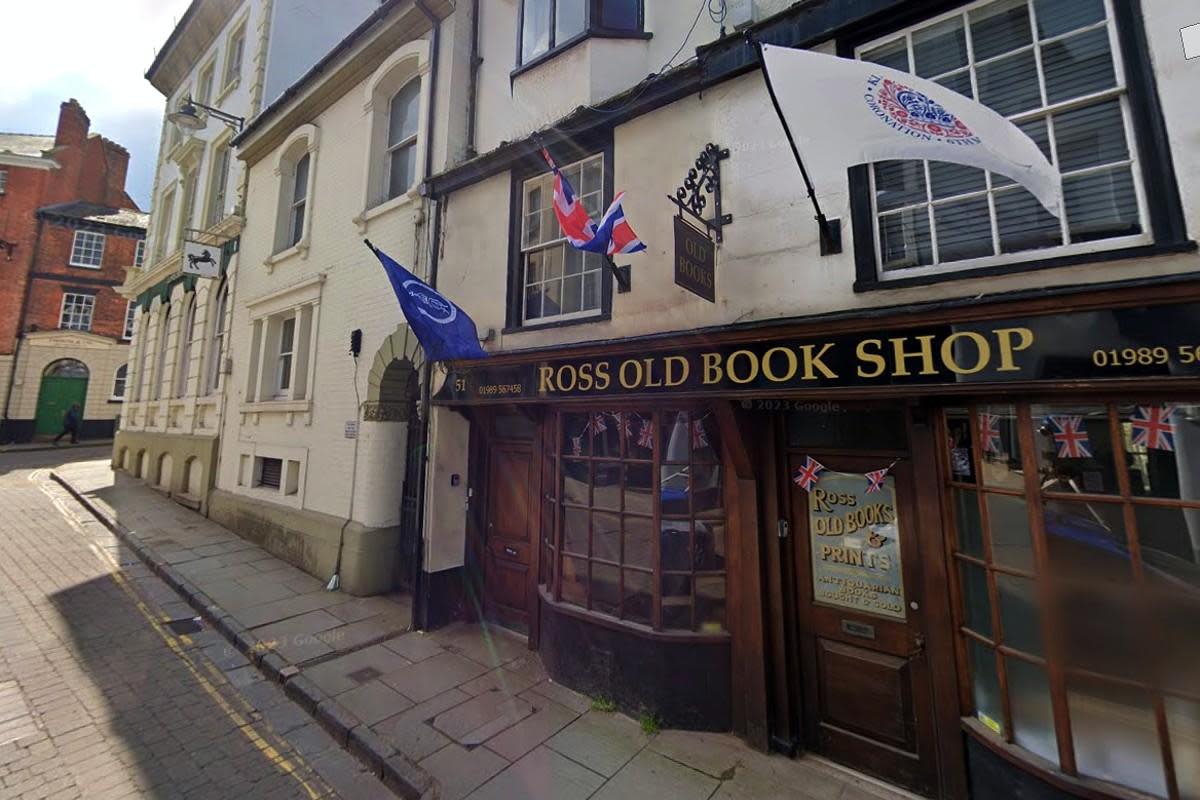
(55, 398)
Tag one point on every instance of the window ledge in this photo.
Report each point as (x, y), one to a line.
(299, 248)
(1120, 254)
(399, 201)
(565, 323)
(594, 33)
(227, 90)
(635, 628)
(85, 266)
(276, 406)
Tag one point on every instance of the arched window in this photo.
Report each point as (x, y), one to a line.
(403, 115)
(66, 368)
(216, 346)
(299, 202)
(182, 362)
(118, 390)
(160, 358)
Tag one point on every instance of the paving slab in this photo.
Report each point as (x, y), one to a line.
(482, 717)
(716, 754)
(541, 775)
(412, 732)
(548, 718)
(562, 695)
(460, 771)
(415, 646)
(431, 677)
(600, 741)
(652, 775)
(486, 644)
(374, 702)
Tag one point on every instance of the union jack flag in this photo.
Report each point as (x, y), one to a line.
(875, 479)
(576, 445)
(646, 435)
(1153, 428)
(806, 476)
(595, 425)
(613, 235)
(626, 423)
(1070, 436)
(699, 437)
(989, 432)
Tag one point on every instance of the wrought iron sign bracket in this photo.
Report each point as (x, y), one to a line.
(704, 178)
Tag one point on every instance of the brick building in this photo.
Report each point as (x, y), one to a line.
(68, 230)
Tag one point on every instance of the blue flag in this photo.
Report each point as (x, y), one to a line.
(443, 329)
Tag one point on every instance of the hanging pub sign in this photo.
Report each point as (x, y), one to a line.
(1146, 342)
(201, 260)
(855, 538)
(695, 261)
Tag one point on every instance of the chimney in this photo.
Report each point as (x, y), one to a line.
(73, 124)
(116, 161)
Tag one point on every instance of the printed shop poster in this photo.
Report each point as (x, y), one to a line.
(855, 540)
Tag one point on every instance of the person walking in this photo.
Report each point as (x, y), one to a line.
(71, 422)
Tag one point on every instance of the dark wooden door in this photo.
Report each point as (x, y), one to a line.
(866, 684)
(509, 537)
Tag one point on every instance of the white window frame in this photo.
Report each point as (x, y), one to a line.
(1119, 91)
(84, 245)
(216, 341)
(3, 181)
(139, 253)
(206, 81)
(409, 142)
(130, 320)
(190, 181)
(295, 234)
(162, 224)
(160, 351)
(120, 378)
(285, 357)
(77, 311)
(235, 57)
(546, 179)
(183, 356)
(218, 182)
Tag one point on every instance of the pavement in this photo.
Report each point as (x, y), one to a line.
(47, 444)
(101, 698)
(463, 712)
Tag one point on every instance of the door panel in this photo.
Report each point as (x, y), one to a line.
(868, 702)
(55, 397)
(509, 535)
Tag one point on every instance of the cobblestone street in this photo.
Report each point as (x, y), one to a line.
(100, 699)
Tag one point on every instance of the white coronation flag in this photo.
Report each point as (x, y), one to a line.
(856, 112)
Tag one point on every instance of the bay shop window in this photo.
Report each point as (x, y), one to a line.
(634, 527)
(1076, 550)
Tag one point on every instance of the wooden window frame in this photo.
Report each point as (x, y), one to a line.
(1052, 661)
(590, 30)
(392, 150)
(82, 307)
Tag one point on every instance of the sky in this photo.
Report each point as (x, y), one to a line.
(98, 53)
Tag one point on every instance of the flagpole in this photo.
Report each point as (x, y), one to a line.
(828, 244)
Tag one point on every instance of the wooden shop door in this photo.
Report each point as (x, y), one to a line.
(867, 699)
(509, 536)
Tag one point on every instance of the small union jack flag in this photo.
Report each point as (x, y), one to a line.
(595, 425)
(806, 476)
(576, 445)
(646, 435)
(875, 480)
(699, 437)
(1152, 427)
(989, 432)
(1070, 436)
(626, 423)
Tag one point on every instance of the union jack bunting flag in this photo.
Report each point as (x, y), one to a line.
(1070, 436)
(595, 425)
(613, 235)
(807, 475)
(646, 435)
(1152, 427)
(576, 445)
(626, 423)
(989, 432)
(699, 437)
(875, 479)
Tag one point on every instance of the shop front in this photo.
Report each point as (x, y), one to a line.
(958, 550)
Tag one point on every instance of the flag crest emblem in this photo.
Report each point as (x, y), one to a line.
(916, 113)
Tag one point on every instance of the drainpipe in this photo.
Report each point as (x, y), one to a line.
(420, 586)
(12, 370)
(473, 91)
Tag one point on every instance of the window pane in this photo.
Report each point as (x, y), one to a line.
(569, 20)
(959, 82)
(639, 485)
(572, 293)
(706, 490)
(1019, 613)
(287, 335)
(639, 544)
(999, 28)
(998, 436)
(1039, 132)
(1160, 441)
(1078, 65)
(639, 596)
(403, 170)
(1008, 520)
(1115, 736)
(404, 112)
(677, 602)
(893, 54)
(574, 580)
(575, 426)
(606, 589)
(899, 183)
(621, 14)
(967, 522)
(606, 480)
(904, 238)
(535, 37)
(591, 288)
(985, 686)
(676, 441)
(1010, 85)
(964, 229)
(1183, 723)
(1101, 205)
(710, 545)
(710, 604)
(1032, 714)
(675, 545)
(575, 530)
(705, 438)
(977, 608)
(1074, 449)
(1090, 136)
(1024, 223)
(300, 187)
(958, 440)
(948, 180)
(1055, 17)
(940, 48)
(606, 536)
(640, 444)
(533, 303)
(575, 482)
(1170, 541)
